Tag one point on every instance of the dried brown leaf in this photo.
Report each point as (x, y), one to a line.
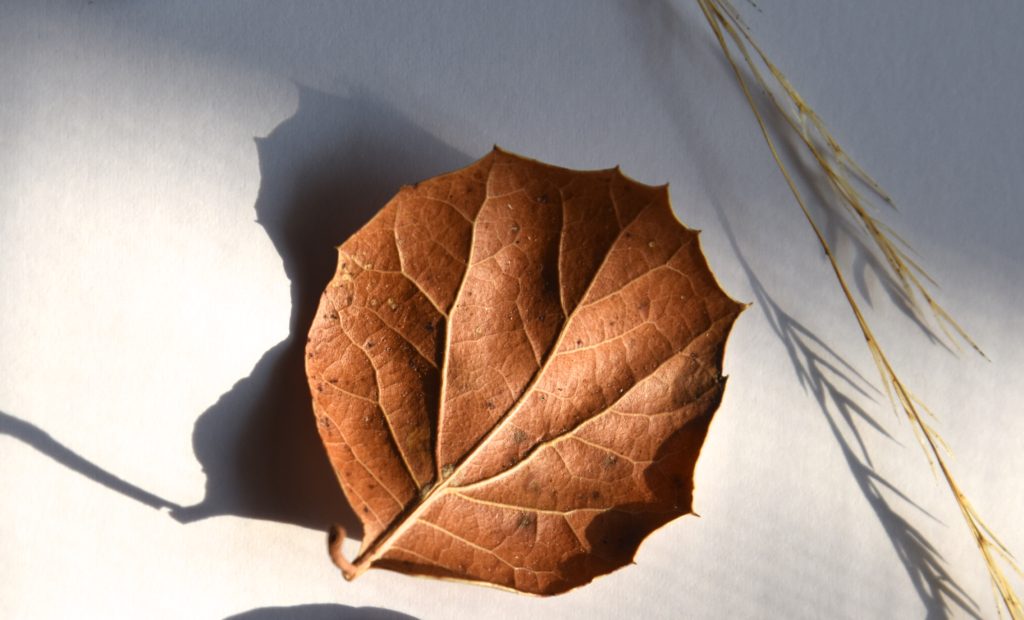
(513, 371)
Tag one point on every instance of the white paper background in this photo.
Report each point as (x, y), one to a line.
(141, 301)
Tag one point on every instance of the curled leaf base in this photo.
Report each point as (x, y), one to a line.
(335, 538)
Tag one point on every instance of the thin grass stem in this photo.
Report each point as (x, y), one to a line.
(843, 174)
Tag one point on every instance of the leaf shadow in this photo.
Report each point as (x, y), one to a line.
(324, 172)
(320, 612)
(44, 443)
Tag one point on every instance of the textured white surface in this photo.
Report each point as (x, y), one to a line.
(136, 288)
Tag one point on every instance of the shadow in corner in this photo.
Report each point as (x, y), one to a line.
(320, 612)
(834, 384)
(324, 172)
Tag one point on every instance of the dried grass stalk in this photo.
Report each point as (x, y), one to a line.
(857, 195)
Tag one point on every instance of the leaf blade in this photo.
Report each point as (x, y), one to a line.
(577, 375)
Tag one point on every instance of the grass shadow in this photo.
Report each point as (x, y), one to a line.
(837, 388)
(670, 44)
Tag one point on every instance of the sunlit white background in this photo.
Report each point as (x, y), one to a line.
(141, 303)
